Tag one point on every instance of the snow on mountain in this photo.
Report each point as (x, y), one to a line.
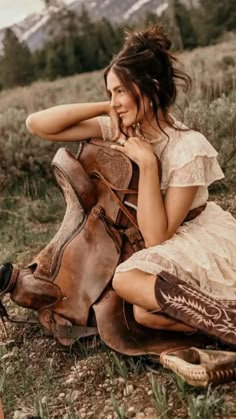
(160, 9)
(136, 6)
(33, 29)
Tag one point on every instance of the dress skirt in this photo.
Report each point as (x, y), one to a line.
(202, 253)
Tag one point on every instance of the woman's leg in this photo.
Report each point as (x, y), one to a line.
(137, 287)
(158, 321)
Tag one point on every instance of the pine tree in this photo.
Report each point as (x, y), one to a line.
(60, 50)
(88, 41)
(40, 58)
(183, 20)
(55, 62)
(171, 13)
(17, 66)
(219, 17)
(108, 41)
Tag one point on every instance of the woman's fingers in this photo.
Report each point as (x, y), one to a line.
(118, 147)
(131, 132)
(138, 131)
(115, 123)
(116, 130)
(126, 131)
(116, 136)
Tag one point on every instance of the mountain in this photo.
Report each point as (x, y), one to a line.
(124, 10)
(33, 29)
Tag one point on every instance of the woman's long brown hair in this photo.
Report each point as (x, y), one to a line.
(145, 60)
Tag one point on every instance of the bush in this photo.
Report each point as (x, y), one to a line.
(217, 121)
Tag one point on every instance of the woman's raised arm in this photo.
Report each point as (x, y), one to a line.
(71, 122)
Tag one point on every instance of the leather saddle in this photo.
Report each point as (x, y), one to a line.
(69, 282)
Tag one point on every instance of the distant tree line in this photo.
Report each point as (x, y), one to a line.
(200, 25)
(77, 44)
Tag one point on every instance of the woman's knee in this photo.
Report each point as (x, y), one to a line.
(118, 282)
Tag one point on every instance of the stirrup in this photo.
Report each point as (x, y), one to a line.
(201, 367)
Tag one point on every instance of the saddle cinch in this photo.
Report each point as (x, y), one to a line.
(69, 282)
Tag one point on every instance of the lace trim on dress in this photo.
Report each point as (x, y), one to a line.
(191, 161)
(202, 171)
(106, 127)
(192, 144)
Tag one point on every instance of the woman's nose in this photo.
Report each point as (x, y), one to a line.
(114, 102)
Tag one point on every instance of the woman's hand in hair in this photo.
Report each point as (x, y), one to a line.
(138, 150)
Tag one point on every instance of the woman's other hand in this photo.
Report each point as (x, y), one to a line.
(138, 150)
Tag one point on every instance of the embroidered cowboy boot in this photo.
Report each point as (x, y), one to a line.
(191, 306)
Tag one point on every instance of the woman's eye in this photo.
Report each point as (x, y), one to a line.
(121, 91)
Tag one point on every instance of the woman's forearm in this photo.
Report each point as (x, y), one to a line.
(58, 118)
(151, 214)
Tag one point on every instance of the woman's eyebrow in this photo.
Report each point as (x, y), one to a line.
(115, 88)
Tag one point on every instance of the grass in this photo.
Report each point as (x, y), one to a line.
(117, 367)
(41, 378)
(28, 221)
(119, 410)
(161, 397)
(207, 405)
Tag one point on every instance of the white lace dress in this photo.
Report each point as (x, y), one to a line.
(202, 252)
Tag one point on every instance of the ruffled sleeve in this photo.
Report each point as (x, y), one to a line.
(106, 127)
(193, 162)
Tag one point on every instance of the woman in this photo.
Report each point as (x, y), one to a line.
(142, 82)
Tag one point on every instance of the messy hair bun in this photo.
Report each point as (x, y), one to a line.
(153, 38)
(146, 60)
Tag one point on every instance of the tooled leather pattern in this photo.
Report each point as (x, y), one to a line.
(113, 166)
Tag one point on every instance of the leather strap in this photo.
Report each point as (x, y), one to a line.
(194, 213)
(135, 238)
(30, 319)
(111, 188)
(125, 191)
(74, 332)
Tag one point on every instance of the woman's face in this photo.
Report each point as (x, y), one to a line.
(124, 104)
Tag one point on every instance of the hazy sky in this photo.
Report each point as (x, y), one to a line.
(12, 11)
